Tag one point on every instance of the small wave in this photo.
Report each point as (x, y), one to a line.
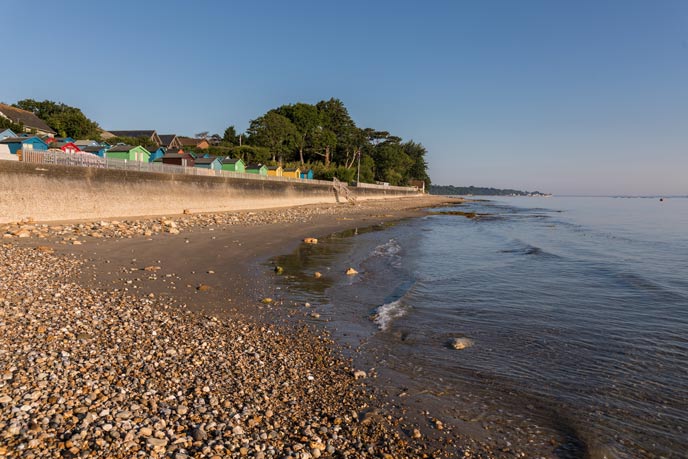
(387, 249)
(387, 313)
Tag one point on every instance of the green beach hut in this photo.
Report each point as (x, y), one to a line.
(258, 169)
(137, 153)
(233, 165)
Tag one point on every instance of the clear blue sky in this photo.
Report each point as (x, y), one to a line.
(585, 97)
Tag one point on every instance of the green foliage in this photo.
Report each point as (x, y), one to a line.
(250, 153)
(17, 128)
(65, 120)
(276, 132)
(230, 136)
(326, 132)
(322, 172)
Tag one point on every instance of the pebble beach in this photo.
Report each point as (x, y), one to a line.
(89, 371)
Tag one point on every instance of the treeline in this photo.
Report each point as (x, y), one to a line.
(325, 138)
(322, 137)
(478, 191)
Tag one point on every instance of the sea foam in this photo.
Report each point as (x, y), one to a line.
(387, 313)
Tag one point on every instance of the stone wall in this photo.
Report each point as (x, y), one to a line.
(53, 193)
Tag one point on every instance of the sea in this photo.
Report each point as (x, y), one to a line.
(574, 311)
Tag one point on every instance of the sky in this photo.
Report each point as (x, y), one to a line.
(586, 97)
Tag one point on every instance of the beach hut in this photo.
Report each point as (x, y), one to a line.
(308, 175)
(97, 150)
(14, 144)
(292, 172)
(177, 157)
(275, 171)
(129, 152)
(156, 153)
(67, 147)
(258, 169)
(212, 162)
(7, 133)
(233, 165)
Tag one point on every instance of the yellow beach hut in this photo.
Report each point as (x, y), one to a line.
(292, 172)
(275, 171)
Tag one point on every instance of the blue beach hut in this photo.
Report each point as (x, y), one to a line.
(14, 144)
(156, 153)
(308, 174)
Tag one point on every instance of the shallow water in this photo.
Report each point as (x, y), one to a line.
(577, 308)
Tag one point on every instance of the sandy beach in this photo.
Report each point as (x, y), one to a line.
(152, 337)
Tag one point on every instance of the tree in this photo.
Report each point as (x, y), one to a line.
(336, 118)
(230, 136)
(306, 119)
(202, 135)
(274, 131)
(5, 123)
(323, 142)
(419, 167)
(67, 121)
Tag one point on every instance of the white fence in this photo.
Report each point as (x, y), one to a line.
(90, 160)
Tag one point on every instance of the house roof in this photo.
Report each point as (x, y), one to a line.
(60, 144)
(28, 119)
(18, 139)
(206, 160)
(188, 141)
(140, 133)
(117, 148)
(167, 139)
(92, 148)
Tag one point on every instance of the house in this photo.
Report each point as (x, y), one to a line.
(233, 165)
(177, 158)
(258, 169)
(156, 153)
(67, 147)
(146, 134)
(275, 171)
(308, 175)
(170, 141)
(212, 162)
(189, 142)
(292, 172)
(129, 152)
(28, 120)
(14, 144)
(98, 150)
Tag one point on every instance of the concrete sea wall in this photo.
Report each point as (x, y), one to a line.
(52, 193)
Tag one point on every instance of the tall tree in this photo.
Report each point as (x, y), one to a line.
(274, 131)
(230, 135)
(306, 119)
(336, 118)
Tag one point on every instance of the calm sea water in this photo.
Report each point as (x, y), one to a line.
(577, 308)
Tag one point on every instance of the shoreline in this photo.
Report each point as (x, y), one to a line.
(195, 290)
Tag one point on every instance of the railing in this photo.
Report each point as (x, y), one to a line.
(90, 160)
